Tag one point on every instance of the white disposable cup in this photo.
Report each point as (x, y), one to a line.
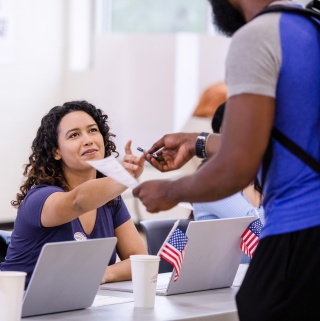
(11, 294)
(145, 270)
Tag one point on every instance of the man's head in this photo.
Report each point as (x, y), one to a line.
(226, 18)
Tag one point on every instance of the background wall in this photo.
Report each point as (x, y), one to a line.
(31, 80)
(147, 84)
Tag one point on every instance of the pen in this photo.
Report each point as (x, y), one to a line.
(144, 151)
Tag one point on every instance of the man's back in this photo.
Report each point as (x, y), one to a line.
(284, 64)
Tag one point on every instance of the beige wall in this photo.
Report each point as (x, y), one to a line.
(30, 82)
(148, 85)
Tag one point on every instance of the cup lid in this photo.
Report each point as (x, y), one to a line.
(12, 273)
(144, 257)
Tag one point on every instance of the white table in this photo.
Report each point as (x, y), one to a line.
(216, 305)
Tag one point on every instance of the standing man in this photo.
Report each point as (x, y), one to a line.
(273, 79)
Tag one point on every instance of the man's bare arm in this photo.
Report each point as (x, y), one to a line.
(247, 126)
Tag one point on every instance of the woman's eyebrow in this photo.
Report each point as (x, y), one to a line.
(71, 130)
(77, 128)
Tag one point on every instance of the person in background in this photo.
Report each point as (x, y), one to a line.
(210, 100)
(5, 238)
(63, 198)
(273, 86)
(244, 203)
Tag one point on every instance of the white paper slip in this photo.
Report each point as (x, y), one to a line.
(101, 300)
(242, 270)
(186, 205)
(110, 167)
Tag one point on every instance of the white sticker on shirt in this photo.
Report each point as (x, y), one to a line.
(78, 236)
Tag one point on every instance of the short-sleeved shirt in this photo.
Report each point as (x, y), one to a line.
(236, 205)
(278, 55)
(28, 236)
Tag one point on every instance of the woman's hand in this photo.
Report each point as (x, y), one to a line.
(129, 243)
(133, 164)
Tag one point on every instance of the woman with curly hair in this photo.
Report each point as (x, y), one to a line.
(63, 198)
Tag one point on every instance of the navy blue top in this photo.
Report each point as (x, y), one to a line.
(28, 236)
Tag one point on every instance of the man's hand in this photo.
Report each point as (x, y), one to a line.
(173, 150)
(155, 195)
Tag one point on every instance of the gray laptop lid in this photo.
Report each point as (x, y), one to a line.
(211, 260)
(67, 276)
(212, 255)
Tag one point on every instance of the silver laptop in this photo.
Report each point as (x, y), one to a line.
(211, 260)
(67, 276)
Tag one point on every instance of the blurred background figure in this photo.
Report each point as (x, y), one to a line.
(244, 203)
(210, 100)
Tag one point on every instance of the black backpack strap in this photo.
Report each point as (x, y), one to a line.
(292, 147)
(311, 10)
(296, 150)
(314, 5)
(267, 157)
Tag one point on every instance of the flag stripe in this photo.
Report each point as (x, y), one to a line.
(250, 238)
(173, 250)
(174, 258)
(171, 256)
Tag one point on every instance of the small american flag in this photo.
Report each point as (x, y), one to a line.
(250, 237)
(173, 250)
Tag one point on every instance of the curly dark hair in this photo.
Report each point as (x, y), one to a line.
(43, 168)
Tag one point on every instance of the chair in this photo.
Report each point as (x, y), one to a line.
(5, 238)
(156, 232)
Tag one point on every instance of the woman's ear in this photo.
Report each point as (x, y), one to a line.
(56, 154)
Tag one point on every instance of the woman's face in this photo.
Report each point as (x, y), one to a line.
(79, 140)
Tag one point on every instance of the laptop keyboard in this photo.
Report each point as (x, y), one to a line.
(162, 285)
(163, 281)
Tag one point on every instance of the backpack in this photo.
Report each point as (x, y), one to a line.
(311, 11)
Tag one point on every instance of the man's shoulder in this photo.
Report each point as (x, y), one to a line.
(259, 36)
(270, 21)
(260, 27)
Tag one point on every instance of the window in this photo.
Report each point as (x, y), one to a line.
(149, 16)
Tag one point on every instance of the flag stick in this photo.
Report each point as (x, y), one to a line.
(175, 225)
